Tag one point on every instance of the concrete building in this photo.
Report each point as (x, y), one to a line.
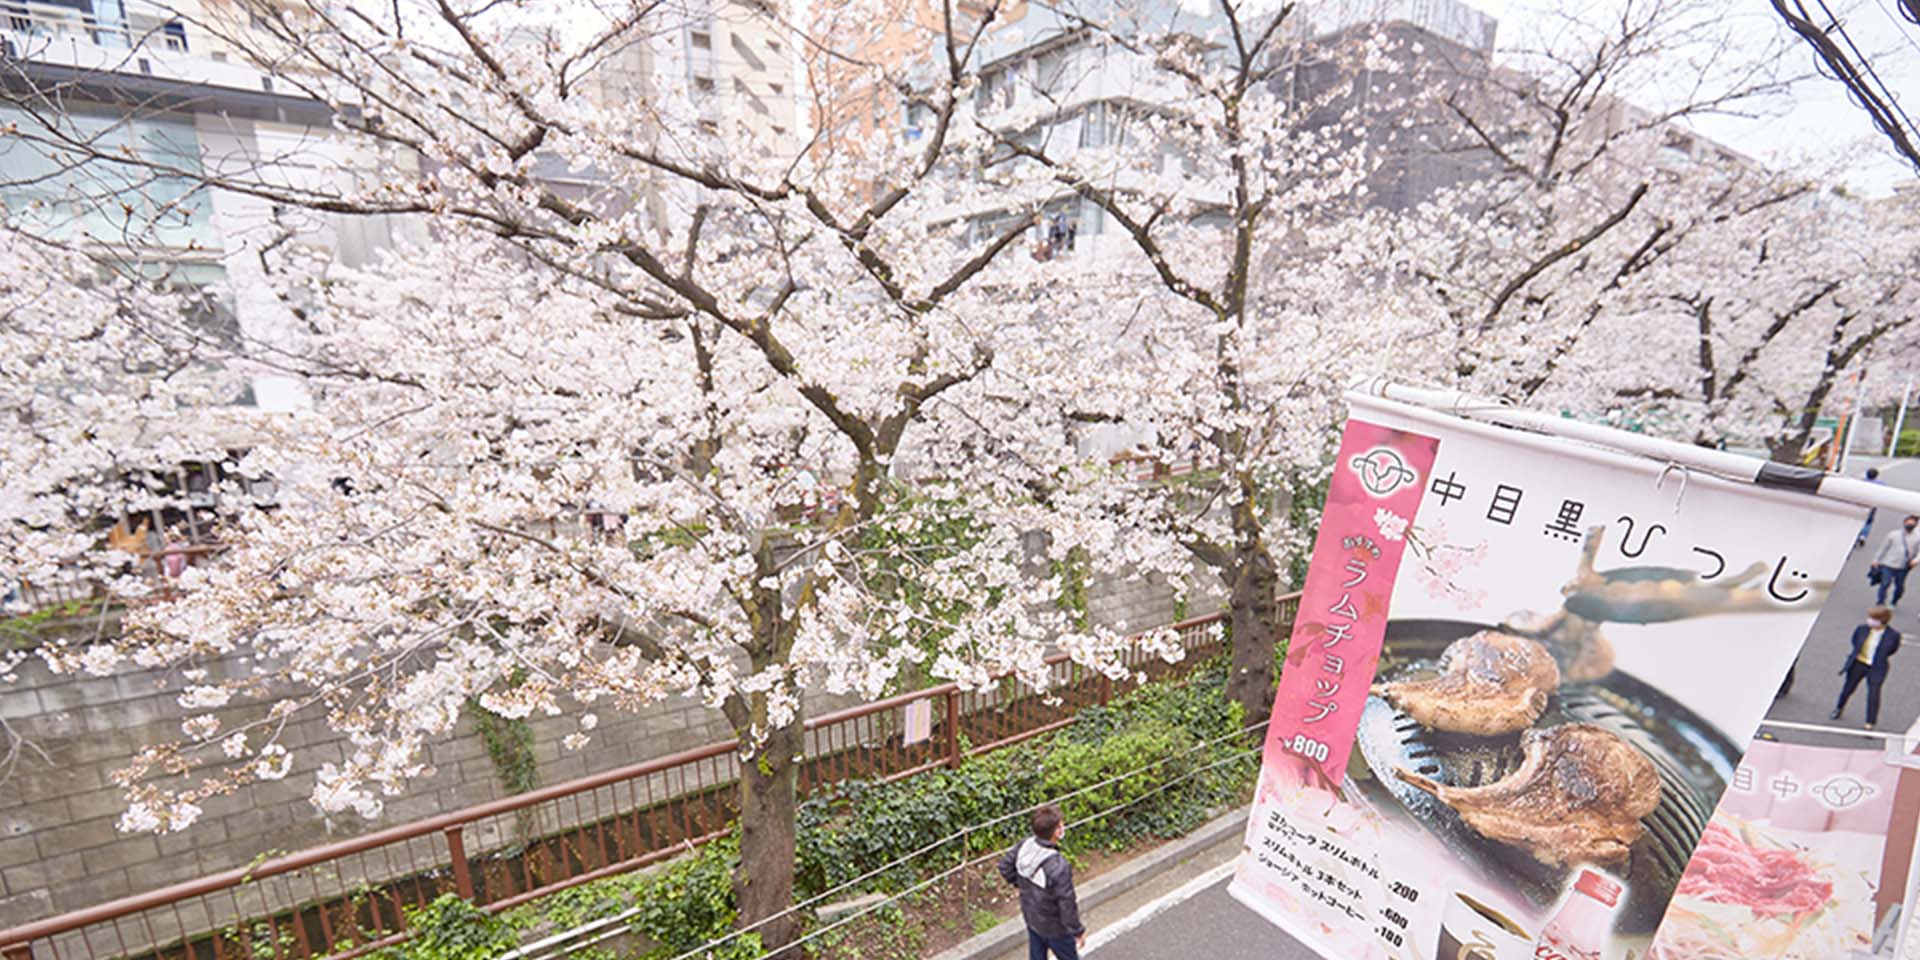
(1077, 91)
(734, 60)
(151, 83)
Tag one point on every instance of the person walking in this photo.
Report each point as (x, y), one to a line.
(1874, 643)
(1047, 902)
(1899, 554)
(1873, 476)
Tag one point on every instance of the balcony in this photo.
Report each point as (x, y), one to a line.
(69, 41)
(42, 21)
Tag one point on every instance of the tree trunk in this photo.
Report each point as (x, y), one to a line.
(763, 885)
(1255, 615)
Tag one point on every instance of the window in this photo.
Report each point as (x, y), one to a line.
(174, 34)
(777, 88)
(703, 84)
(72, 197)
(701, 41)
(1093, 126)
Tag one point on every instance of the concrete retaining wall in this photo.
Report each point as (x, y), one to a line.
(59, 850)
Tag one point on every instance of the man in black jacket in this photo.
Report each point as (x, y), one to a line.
(1045, 881)
(1874, 643)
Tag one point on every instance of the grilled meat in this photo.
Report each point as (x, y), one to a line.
(1584, 654)
(1490, 683)
(1577, 797)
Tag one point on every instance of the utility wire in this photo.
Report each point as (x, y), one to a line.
(1863, 83)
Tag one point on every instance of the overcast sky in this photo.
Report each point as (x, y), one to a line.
(1819, 120)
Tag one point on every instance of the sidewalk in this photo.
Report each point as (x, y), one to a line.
(1817, 675)
(1203, 922)
(1165, 910)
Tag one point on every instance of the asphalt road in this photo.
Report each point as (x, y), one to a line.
(1212, 925)
(1816, 677)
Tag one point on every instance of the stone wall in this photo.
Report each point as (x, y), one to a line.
(59, 850)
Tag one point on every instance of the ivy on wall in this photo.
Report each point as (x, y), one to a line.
(509, 744)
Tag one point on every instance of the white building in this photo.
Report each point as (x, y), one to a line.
(108, 77)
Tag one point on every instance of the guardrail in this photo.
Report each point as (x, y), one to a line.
(349, 898)
(161, 566)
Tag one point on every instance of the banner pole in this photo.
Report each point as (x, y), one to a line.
(1853, 416)
(1899, 422)
(1765, 473)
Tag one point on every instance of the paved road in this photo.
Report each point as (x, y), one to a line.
(1816, 678)
(1210, 925)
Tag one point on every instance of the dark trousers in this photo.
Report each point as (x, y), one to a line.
(1062, 947)
(1856, 672)
(1896, 578)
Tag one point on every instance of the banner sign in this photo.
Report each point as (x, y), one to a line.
(1523, 672)
(1790, 865)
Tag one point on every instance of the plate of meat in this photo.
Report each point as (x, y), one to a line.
(1519, 746)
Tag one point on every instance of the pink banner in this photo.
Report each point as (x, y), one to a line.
(1790, 865)
(1372, 498)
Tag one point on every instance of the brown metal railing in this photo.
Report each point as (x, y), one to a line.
(349, 898)
(77, 589)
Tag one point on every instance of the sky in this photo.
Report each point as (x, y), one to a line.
(1818, 123)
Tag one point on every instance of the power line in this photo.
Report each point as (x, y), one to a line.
(1863, 83)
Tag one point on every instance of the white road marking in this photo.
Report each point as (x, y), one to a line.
(1147, 912)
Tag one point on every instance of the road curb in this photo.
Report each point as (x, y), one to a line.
(1011, 933)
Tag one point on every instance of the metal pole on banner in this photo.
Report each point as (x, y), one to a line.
(1907, 947)
(1732, 466)
(1900, 419)
(1853, 416)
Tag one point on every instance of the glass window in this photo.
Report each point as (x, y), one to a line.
(74, 191)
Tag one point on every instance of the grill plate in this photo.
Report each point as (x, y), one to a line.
(1694, 759)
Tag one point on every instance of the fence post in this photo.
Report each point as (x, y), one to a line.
(1106, 689)
(953, 729)
(462, 871)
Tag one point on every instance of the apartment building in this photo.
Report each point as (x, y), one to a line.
(89, 80)
(734, 61)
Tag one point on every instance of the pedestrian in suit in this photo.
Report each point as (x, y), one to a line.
(1874, 643)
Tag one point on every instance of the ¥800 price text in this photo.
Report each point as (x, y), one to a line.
(1307, 747)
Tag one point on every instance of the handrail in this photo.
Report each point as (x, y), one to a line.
(23, 936)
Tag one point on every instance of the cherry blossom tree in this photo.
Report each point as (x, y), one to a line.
(1612, 262)
(1589, 172)
(1232, 286)
(742, 384)
(1760, 319)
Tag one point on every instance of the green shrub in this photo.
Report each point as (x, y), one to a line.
(1126, 813)
(450, 928)
(691, 903)
(859, 826)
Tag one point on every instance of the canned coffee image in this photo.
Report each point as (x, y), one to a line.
(1471, 930)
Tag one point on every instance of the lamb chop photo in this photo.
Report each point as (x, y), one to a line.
(1491, 683)
(1577, 797)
